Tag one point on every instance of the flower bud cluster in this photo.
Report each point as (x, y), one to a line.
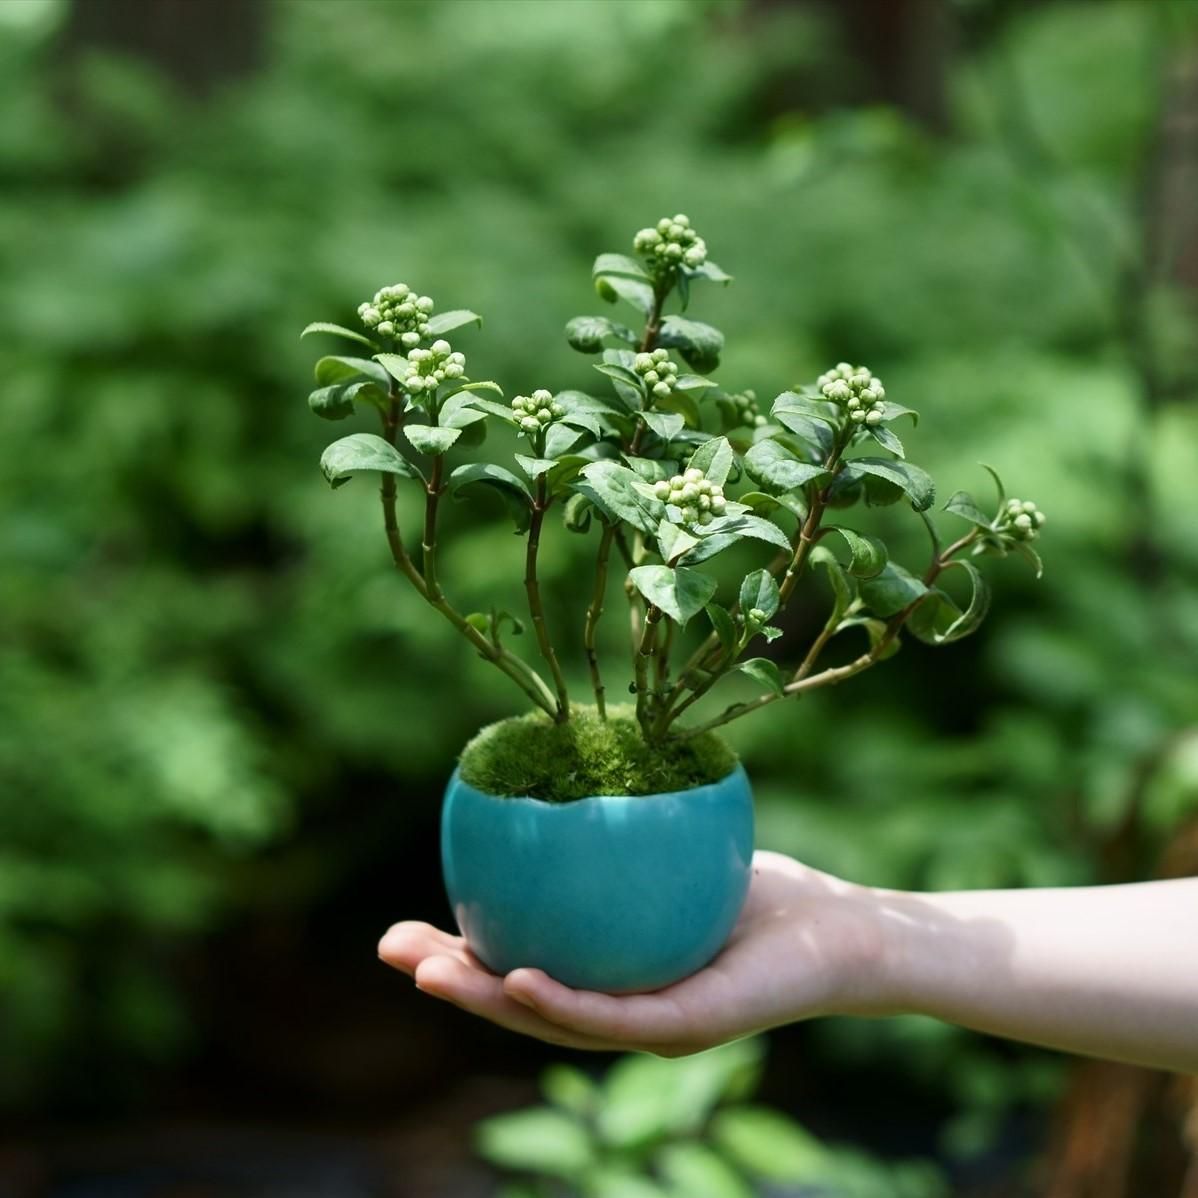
(672, 243)
(855, 389)
(1020, 520)
(658, 372)
(398, 312)
(536, 411)
(748, 410)
(700, 500)
(429, 368)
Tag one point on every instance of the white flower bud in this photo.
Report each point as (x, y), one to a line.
(704, 503)
(718, 503)
(529, 424)
(662, 390)
(424, 304)
(386, 328)
(705, 517)
(1023, 521)
(652, 377)
(682, 219)
(410, 338)
(690, 492)
(857, 417)
(662, 490)
(693, 475)
(873, 417)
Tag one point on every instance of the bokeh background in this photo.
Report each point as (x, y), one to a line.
(224, 724)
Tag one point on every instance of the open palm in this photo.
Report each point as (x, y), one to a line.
(803, 946)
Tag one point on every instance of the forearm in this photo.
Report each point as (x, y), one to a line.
(1105, 971)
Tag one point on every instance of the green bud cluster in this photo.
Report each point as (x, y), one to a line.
(658, 372)
(856, 390)
(1020, 520)
(672, 243)
(536, 411)
(748, 410)
(429, 368)
(398, 312)
(699, 500)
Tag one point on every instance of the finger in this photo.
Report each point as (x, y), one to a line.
(482, 994)
(406, 944)
(629, 1020)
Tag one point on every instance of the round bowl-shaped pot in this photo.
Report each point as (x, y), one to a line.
(614, 892)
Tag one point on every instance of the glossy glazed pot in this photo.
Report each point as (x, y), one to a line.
(613, 893)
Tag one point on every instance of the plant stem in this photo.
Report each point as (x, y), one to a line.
(535, 609)
(648, 344)
(428, 547)
(526, 678)
(830, 677)
(644, 654)
(594, 612)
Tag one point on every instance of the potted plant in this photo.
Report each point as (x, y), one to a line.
(610, 845)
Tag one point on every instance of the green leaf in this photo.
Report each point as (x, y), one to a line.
(613, 489)
(700, 344)
(710, 272)
(679, 592)
(891, 591)
(560, 439)
(335, 369)
(337, 402)
(534, 467)
(616, 1181)
(695, 1171)
(673, 542)
(483, 385)
(875, 629)
(538, 1140)
(569, 1089)
(759, 591)
(430, 439)
(724, 628)
(771, 464)
(459, 411)
(337, 330)
(914, 482)
(614, 287)
(842, 587)
(754, 527)
(886, 439)
(892, 411)
(576, 513)
(665, 424)
(939, 621)
(1002, 491)
(689, 383)
(396, 365)
(762, 670)
(867, 555)
(715, 459)
(767, 1144)
(790, 404)
(1029, 554)
(586, 333)
(446, 322)
(770, 632)
(514, 493)
(619, 264)
(962, 504)
(363, 452)
(490, 406)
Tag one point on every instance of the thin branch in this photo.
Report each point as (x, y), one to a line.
(594, 612)
(536, 610)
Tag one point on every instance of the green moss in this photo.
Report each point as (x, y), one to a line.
(530, 755)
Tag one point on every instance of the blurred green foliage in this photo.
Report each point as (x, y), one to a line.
(198, 645)
(684, 1128)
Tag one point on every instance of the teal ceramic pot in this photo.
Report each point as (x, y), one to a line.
(613, 893)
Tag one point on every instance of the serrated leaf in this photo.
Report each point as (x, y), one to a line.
(759, 591)
(867, 555)
(612, 487)
(459, 411)
(483, 385)
(962, 504)
(665, 424)
(430, 439)
(514, 493)
(456, 318)
(362, 452)
(337, 402)
(679, 592)
(333, 368)
(715, 459)
(886, 439)
(677, 332)
(673, 542)
(792, 404)
(724, 627)
(534, 467)
(560, 439)
(490, 406)
(754, 527)
(688, 384)
(892, 411)
(771, 464)
(586, 333)
(891, 591)
(770, 632)
(762, 670)
(336, 330)
(914, 482)
(396, 365)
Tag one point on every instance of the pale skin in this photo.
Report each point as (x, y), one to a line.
(1102, 971)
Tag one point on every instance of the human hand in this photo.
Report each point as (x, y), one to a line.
(806, 944)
